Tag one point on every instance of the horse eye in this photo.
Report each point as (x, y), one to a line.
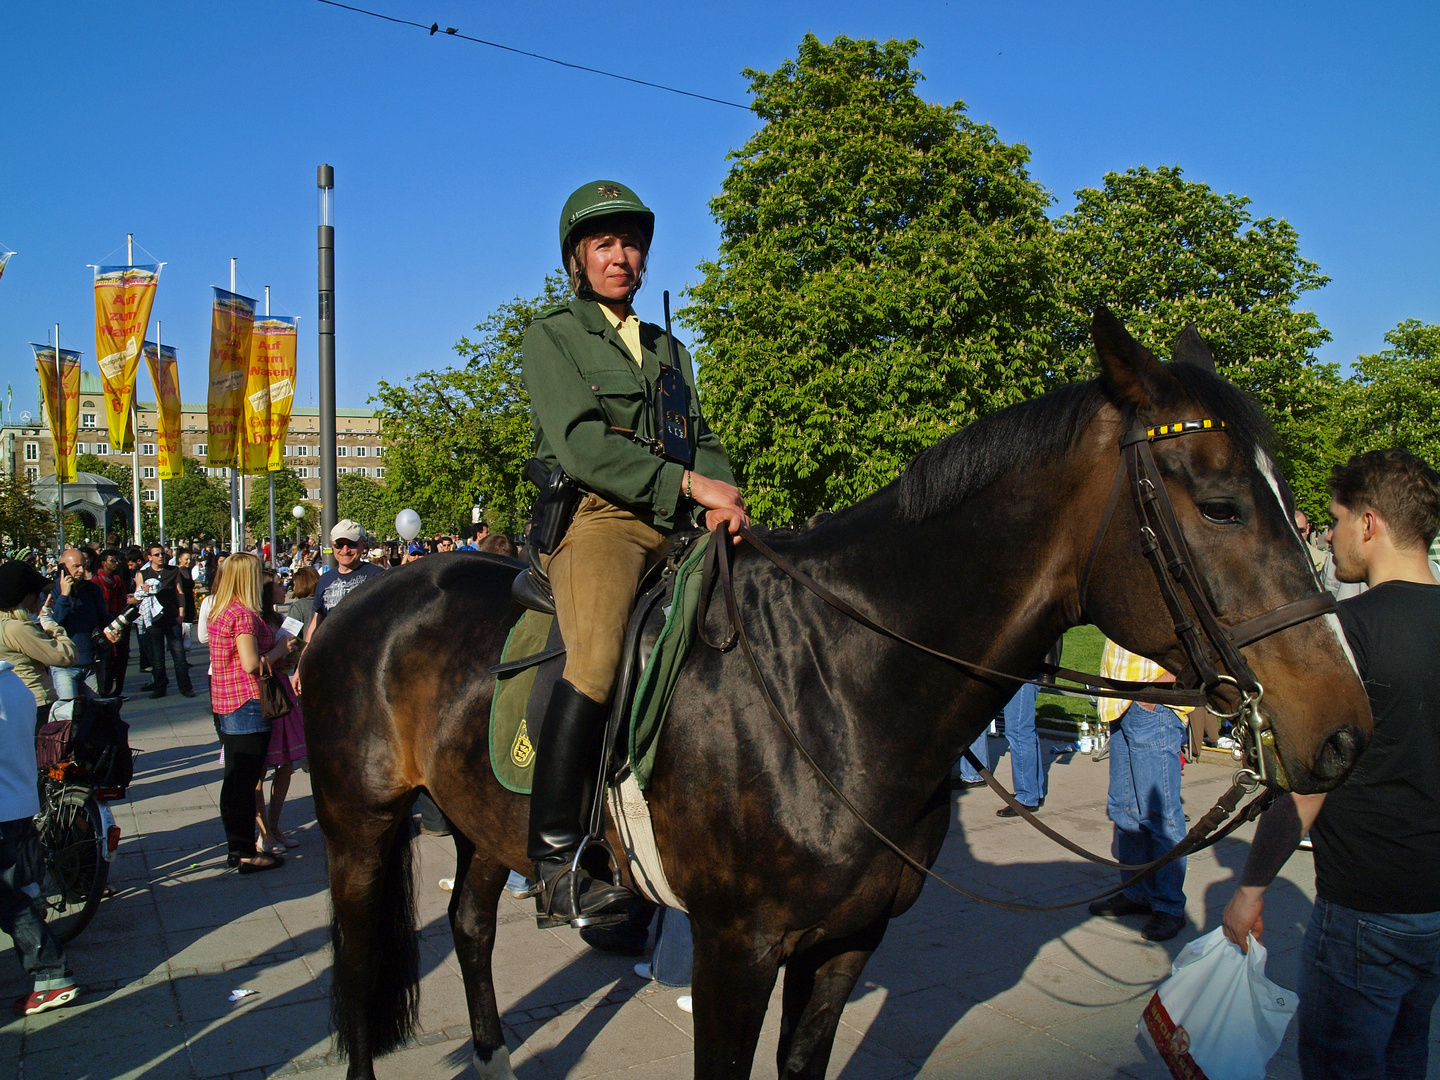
(1221, 512)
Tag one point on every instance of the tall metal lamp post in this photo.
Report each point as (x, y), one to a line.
(325, 180)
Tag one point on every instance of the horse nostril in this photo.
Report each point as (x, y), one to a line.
(1338, 753)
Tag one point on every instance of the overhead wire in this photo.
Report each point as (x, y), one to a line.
(451, 31)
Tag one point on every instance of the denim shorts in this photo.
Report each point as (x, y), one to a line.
(249, 719)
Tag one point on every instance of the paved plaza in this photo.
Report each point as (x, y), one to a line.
(956, 989)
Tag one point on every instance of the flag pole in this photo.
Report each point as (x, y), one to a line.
(59, 468)
(160, 368)
(237, 539)
(134, 416)
(274, 553)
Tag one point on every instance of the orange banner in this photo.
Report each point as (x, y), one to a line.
(271, 383)
(64, 414)
(230, 324)
(123, 298)
(165, 377)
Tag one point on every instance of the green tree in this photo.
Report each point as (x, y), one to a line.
(1395, 394)
(1161, 252)
(883, 279)
(362, 499)
(114, 471)
(23, 522)
(289, 492)
(459, 436)
(197, 507)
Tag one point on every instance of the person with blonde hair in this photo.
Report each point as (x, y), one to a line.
(241, 646)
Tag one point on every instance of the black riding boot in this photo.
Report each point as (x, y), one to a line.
(566, 763)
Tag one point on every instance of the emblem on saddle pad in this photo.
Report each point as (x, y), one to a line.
(522, 751)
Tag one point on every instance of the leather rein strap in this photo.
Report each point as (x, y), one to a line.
(1164, 547)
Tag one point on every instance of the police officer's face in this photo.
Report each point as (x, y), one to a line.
(612, 264)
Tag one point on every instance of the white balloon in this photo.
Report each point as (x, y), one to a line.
(407, 524)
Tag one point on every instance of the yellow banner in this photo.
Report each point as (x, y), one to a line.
(272, 377)
(230, 324)
(123, 298)
(65, 413)
(165, 377)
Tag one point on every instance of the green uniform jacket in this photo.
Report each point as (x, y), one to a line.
(583, 383)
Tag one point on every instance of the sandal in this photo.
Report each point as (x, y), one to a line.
(236, 863)
(273, 848)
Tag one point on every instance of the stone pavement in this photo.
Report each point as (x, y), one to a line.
(956, 989)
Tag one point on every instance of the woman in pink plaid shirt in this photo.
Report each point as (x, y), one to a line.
(239, 641)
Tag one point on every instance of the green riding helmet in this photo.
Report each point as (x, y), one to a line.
(602, 198)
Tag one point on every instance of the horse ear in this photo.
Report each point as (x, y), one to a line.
(1128, 369)
(1190, 348)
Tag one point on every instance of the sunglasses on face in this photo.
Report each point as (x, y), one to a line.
(346, 545)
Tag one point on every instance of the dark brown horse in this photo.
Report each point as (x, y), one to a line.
(977, 550)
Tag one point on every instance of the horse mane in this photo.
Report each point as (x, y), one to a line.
(1036, 432)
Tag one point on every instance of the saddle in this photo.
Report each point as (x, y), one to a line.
(534, 658)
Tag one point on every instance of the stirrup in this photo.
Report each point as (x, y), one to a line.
(545, 915)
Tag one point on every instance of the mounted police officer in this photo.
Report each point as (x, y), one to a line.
(593, 371)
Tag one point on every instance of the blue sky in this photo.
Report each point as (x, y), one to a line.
(198, 128)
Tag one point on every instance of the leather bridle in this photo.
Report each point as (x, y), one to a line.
(1164, 547)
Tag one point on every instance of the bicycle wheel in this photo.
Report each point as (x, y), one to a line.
(73, 840)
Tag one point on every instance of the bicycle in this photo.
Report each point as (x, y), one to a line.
(78, 841)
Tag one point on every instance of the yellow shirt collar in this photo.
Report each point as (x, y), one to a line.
(629, 330)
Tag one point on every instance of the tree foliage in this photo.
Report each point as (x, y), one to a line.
(459, 436)
(882, 279)
(197, 507)
(23, 522)
(1394, 396)
(289, 492)
(362, 499)
(1161, 252)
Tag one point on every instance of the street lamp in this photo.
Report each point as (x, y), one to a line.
(299, 515)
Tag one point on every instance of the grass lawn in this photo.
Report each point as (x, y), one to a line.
(1083, 645)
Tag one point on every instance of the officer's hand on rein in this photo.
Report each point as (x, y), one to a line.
(722, 502)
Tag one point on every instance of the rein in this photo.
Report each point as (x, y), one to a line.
(1165, 549)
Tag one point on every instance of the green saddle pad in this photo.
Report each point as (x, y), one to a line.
(512, 753)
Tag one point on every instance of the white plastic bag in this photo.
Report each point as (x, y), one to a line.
(1218, 1017)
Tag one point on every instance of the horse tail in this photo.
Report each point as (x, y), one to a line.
(384, 985)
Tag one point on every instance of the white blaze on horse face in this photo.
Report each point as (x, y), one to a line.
(1267, 470)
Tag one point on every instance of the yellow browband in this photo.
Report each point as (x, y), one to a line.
(1183, 427)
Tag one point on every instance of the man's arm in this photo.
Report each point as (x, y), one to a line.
(1276, 838)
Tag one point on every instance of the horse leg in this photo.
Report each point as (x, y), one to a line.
(818, 982)
(375, 999)
(732, 979)
(472, 923)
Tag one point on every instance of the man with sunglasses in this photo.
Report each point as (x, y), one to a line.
(351, 571)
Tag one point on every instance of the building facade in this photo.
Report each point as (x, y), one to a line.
(359, 446)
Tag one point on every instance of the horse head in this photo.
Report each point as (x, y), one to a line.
(1236, 515)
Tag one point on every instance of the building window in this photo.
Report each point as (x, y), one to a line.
(379, 474)
(342, 451)
(148, 495)
(302, 451)
(362, 451)
(32, 451)
(87, 419)
(379, 451)
(32, 473)
(82, 448)
(303, 472)
(201, 450)
(362, 471)
(147, 472)
(101, 449)
(342, 471)
(147, 449)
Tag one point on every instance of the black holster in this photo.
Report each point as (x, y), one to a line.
(555, 506)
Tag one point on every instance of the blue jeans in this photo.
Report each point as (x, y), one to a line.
(75, 682)
(1027, 767)
(1144, 802)
(1367, 985)
(981, 749)
(248, 719)
(674, 956)
(40, 954)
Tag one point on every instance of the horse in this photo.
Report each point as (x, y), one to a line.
(979, 548)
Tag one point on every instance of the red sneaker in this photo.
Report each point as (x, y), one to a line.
(41, 1000)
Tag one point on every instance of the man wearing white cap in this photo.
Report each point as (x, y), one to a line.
(347, 539)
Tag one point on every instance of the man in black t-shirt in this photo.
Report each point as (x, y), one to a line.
(1370, 967)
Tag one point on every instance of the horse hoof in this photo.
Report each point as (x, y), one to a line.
(497, 1068)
